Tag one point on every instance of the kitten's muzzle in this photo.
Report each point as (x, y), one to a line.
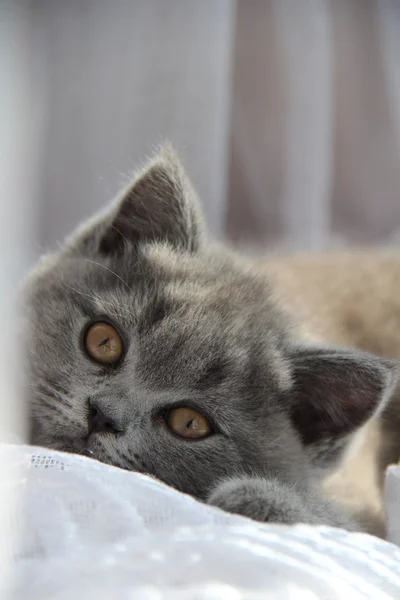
(99, 421)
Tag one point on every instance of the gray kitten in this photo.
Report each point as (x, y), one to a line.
(156, 351)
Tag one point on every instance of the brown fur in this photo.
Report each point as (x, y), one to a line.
(351, 299)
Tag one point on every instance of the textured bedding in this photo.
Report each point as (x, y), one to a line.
(91, 531)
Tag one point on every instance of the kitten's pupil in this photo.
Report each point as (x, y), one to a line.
(105, 341)
(190, 423)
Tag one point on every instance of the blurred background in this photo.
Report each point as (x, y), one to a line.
(286, 112)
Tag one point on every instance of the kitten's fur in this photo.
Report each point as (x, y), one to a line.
(203, 327)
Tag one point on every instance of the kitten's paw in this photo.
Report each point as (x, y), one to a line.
(263, 500)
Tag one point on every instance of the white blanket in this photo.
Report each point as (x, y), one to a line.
(91, 531)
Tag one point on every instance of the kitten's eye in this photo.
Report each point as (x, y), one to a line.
(103, 343)
(188, 423)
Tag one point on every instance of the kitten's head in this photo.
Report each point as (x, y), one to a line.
(153, 350)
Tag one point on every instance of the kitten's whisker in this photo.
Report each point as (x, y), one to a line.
(131, 247)
(86, 450)
(97, 299)
(149, 217)
(110, 270)
(90, 296)
(121, 234)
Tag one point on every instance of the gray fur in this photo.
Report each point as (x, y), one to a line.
(202, 328)
(269, 499)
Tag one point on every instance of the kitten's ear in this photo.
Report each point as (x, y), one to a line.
(159, 205)
(335, 391)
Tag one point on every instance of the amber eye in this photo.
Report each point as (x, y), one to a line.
(188, 423)
(103, 343)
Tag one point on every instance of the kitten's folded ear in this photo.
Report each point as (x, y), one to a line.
(159, 205)
(336, 391)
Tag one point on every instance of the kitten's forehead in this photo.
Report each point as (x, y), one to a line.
(197, 317)
(211, 320)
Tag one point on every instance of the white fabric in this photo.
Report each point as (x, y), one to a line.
(88, 530)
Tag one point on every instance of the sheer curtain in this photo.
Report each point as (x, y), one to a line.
(119, 78)
(316, 104)
(286, 112)
(18, 175)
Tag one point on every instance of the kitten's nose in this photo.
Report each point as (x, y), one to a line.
(100, 422)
